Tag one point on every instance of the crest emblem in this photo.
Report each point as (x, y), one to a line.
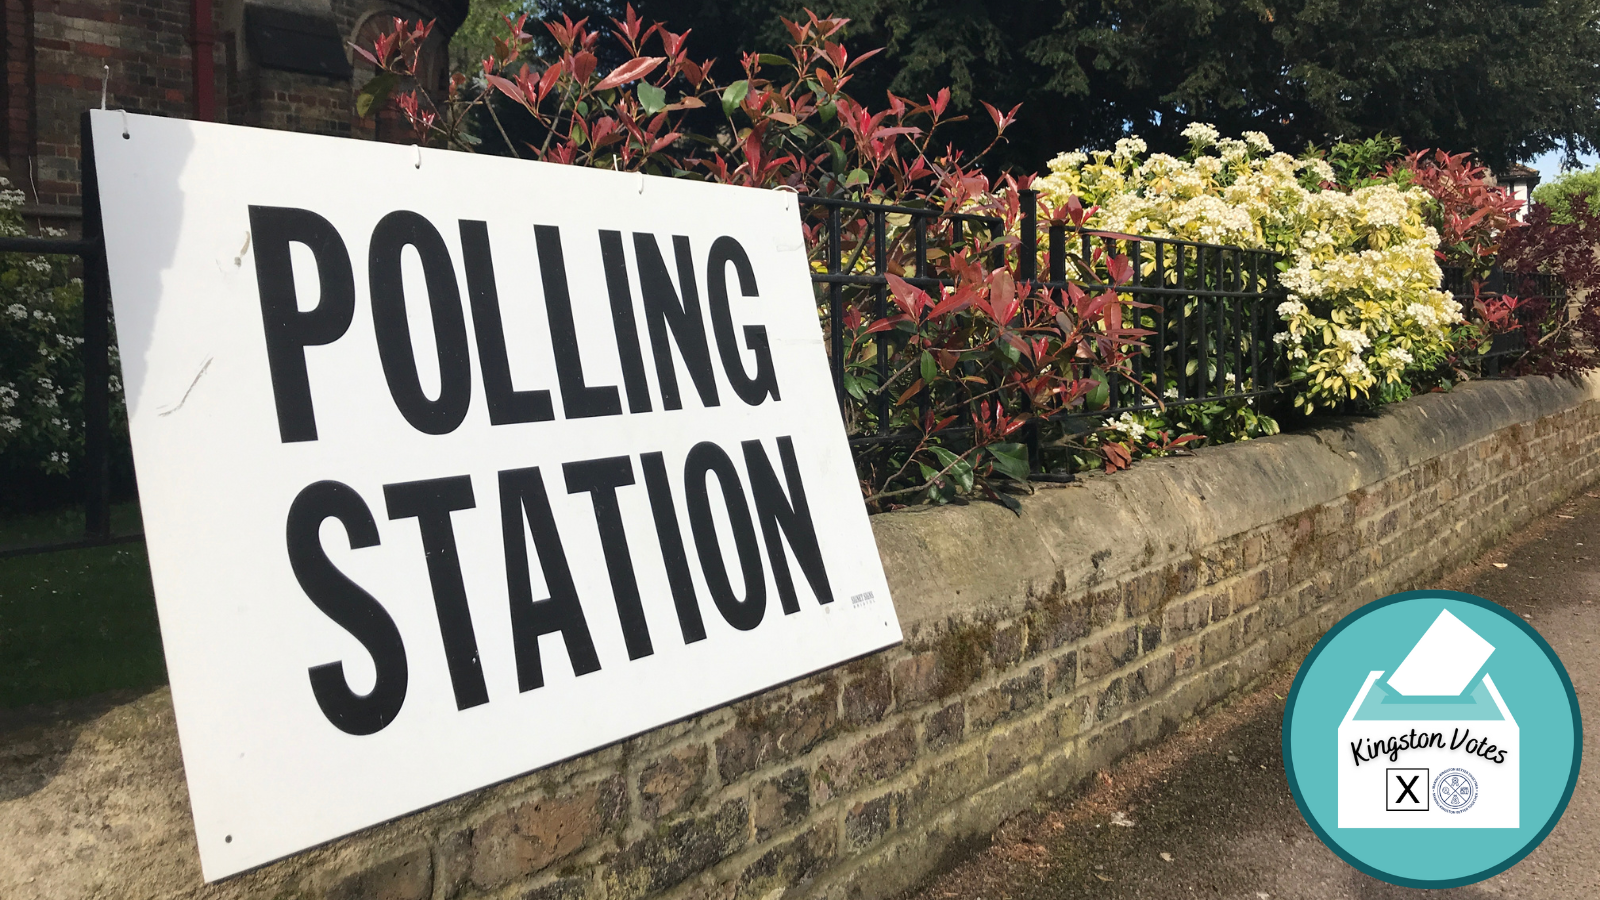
(1455, 790)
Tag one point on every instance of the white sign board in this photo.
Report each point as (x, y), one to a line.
(453, 467)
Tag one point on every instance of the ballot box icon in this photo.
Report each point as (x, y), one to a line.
(1434, 745)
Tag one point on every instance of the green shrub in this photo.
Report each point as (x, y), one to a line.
(41, 361)
(1558, 194)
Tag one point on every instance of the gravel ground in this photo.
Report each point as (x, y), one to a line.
(1208, 812)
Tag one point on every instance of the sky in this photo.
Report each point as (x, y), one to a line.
(1549, 165)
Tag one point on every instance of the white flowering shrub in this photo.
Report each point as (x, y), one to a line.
(1364, 316)
(41, 366)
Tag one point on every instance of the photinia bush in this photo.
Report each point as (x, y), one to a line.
(1469, 212)
(1562, 328)
(972, 369)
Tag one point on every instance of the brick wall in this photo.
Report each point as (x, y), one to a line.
(17, 23)
(56, 51)
(146, 44)
(1039, 649)
(291, 101)
(857, 783)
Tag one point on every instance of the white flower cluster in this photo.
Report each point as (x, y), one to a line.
(1130, 148)
(1200, 134)
(40, 305)
(1363, 282)
(1127, 425)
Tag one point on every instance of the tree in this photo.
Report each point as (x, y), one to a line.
(1507, 79)
(1559, 194)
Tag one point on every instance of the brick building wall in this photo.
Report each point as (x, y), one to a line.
(145, 44)
(56, 53)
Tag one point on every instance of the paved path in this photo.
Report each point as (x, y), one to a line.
(1211, 811)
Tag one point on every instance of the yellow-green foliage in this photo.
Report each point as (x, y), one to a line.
(1364, 306)
(1558, 194)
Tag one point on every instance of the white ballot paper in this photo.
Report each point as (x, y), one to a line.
(1443, 662)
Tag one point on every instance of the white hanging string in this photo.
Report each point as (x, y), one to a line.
(787, 190)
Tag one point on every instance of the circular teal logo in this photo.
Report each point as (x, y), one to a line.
(1432, 739)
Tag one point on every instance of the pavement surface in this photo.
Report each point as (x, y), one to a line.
(1208, 812)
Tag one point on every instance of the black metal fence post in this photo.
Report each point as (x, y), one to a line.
(835, 310)
(96, 350)
(1028, 256)
(96, 354)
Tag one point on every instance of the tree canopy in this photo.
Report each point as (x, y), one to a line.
(1509, 80)
(1560, 194)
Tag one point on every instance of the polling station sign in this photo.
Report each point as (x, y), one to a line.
(453, 467)
(1432, 739)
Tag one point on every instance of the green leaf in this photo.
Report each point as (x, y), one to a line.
(773, 59)
(651, 97)
(960, 469)
(827, 111)
(733, 94)
(375, 92)
(1010, 459)
(1192, 367)
(1101, 395)
(930, 369)
(938, 492)
(852, 386)
(1009, 502)
(856, 176)
(836, 156)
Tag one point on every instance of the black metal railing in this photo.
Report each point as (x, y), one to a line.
(1212, 309)
(96, 473)
(1497, 282)
(1459, 281)
(96, 349)
(1211, 313)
